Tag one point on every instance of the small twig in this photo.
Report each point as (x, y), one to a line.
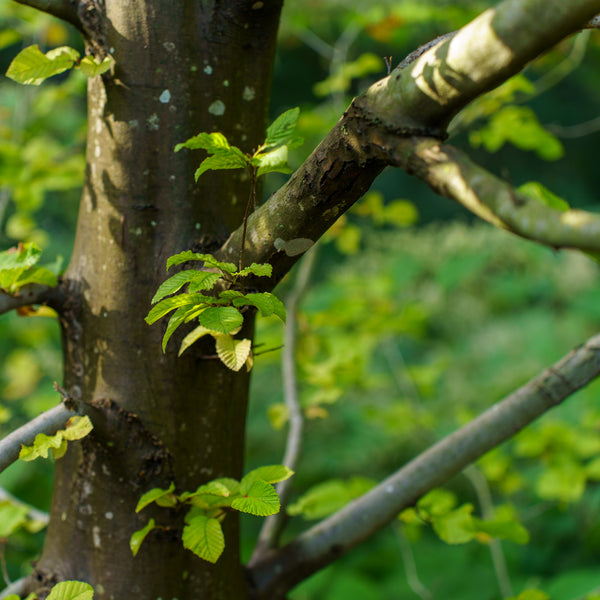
(410, 566)
(251, 204)
(484, 497)
(271, 531)
(20, 588)
(3, 562)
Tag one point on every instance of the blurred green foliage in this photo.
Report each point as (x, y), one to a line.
(415, 319)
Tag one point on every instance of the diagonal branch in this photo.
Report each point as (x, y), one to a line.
(451, 173)
(62, 9)
(418, 99)
(32, 294)
(48, 422)
(278, 571)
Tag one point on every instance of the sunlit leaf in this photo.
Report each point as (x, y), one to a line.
(90, 66)
(270, 474)
(282, 128)
(153, 495)
(31, 67)
(233, 353)
(71, 590)
(168, 304)
(223, 319)
(258, 498)
(204, 537)
(135, 541)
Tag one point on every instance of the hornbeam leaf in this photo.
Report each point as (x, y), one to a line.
(193, 336)
(223, 319)
(11, 518)
(260, 270)
(204, 537)
(258, 498)
(31, 67)
(177, 318)
(168, 304)
(153, 495)
(77, 428)
(90, 67)
(282, 128)
(208, 259)
(135, 541)
(71, 590)
(233, 353)
(198, 280)
(270, 474)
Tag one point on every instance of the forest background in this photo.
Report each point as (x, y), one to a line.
(414, 317)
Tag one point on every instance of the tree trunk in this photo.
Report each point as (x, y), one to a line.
(180, 68)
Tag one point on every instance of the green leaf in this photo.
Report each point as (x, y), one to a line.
(233, 353)
(212, 488)
(275, 161)
(328, 497)
(37, 275)
(260, 270)
(153, 495)
(223, 319)
(456, 526)
(31, 67)
(282, 128)
(177, 318)
(135, 541)
(71, 590)
(270, 474)
(77, 428)
(531, 594)
(192, 337)
(90, 66)
(204, 537)
(258, 498)
(168, 304)
(504, 526)
(11, 518)
(208, 259)
(535, 190)
(267, 303)
(224, 155)
(26, 255)
(198, 280)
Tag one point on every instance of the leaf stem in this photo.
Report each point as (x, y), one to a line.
(251, 203)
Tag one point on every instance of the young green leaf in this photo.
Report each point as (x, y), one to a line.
(282, 128)
(31, 67)
(260, 270)
(11, 518)
(204, 537)
(269, 473)
(168, 304)
(77, 428)
(258, 498)
(25, 255)
(212, 488)
(153, 495)
(275, 161)
(208, 259)
(177, 318)
(233, 353)
(198, 280)
(90, 66)
(71, 590)
(223, 319)
(135, 541)
(267, 303)
(539, 192)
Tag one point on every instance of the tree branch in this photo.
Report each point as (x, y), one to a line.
(62, 9)
(29, 295)
(281, 569)
(418, 99)
(451, 173)
(48, 422)
(273, 525)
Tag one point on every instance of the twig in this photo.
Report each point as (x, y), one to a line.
(410, 566)
(26, 296)
(279, 570)
(484, 497)
(3, 562)
(271, 530)
(48, 422)
(19, 587)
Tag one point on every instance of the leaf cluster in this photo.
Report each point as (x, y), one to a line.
(17, 268)
(270, 157)
(31, 66)
(219, 315)
(208, 506)
(77, 428)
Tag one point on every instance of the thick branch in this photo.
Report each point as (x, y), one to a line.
(281, 569)
(417, 99)
(29, 295)
(451, 173)
(62, 9)
(480, 56)
(48, 422)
